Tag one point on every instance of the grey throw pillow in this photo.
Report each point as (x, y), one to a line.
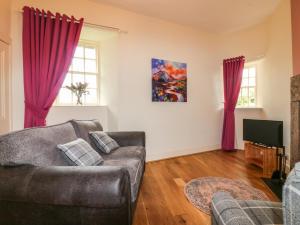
(103, 142)
(81, 153)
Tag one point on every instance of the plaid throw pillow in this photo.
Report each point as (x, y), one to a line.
(103, 142)
(81, 153)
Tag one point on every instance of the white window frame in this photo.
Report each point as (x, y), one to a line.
(248, 66)
(95, 45)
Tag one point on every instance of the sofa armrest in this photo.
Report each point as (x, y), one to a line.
(93, 187)
(128, 138)
(227, 211)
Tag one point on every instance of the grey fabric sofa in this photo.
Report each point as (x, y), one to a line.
(37, 187)
(228, 211)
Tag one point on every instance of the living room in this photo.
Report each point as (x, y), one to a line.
(179, 136)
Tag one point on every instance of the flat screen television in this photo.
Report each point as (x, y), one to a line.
(265, 132)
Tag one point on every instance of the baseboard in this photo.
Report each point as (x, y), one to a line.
(171, 154)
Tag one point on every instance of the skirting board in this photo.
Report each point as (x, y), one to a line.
(170, 154)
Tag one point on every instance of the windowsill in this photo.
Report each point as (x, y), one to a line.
(246, 108)
(79, 106)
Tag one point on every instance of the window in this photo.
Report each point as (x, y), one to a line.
(247, 96)
(84, 68)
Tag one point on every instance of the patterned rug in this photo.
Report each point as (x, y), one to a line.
(200, 191)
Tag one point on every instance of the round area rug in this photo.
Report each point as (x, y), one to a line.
(200, 191)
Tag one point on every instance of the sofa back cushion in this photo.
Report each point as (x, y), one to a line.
(84, 127)
(36, 146)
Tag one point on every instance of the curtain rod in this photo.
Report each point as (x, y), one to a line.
(97, 26)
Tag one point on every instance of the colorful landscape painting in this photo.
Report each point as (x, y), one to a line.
(169, 81)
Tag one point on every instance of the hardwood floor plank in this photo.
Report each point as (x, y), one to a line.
(162, 200)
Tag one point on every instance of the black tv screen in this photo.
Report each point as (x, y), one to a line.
(265, 132)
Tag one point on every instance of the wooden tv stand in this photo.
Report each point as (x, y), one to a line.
(263, 157)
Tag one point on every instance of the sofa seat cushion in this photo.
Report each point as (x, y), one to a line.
(135, 168)
(137, 152)
(263, 212)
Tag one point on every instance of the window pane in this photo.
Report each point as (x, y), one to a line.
(245, 82)
(245, 100)
(90, 53)
(251, 92)
(91, 97)
(78, 65)
(91, 80)
(245, 73)
(252, 72)
(68, 80)
(65, 96)
(244, 92)
(251, 101)
(78, 78)
(252, 81)
(239, 103)
(90, 66)
(79, 52)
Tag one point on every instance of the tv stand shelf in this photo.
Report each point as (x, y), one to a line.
(263, 157)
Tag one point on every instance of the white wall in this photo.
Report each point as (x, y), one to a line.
(171, 128)
(270, 42)
(5, 23)
(61, 114)
(278, 69)
(252, 43)
(110, 82)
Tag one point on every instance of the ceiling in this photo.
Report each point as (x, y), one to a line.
(213, 15)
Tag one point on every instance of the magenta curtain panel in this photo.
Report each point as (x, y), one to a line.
(49, 43)
(232, 78)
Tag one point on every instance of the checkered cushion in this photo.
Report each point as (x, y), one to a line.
(228, 211)
(80, 153)
(291, 197)
(103, 142)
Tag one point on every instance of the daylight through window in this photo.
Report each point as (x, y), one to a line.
(84, 68)
(247, 96)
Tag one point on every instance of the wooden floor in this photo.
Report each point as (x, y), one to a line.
(162, 201)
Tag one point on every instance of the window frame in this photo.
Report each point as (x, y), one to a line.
(248, 66)
(85, 44)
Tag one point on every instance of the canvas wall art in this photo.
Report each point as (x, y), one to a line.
(169, 81)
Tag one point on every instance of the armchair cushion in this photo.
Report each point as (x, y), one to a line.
(291, 197)
(228, 211)
(80, 153)
(103, 142)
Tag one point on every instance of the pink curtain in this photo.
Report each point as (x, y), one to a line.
(232, 78)
(49, 43)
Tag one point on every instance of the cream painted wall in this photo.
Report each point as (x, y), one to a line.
(5, 24)
(172, 128)
(271, 43)
(252, 43)
(61, 114)
(295, 8)
(278, 69)
(110, 82)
